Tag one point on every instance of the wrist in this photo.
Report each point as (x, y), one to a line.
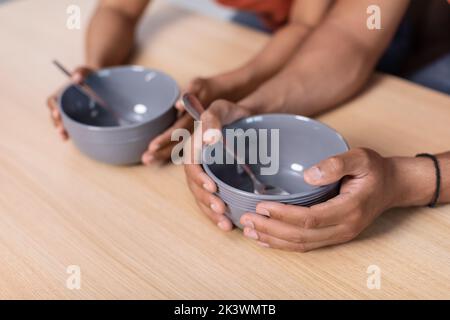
(236, 84)
(273, 96)
(92, 64)
(413, 181)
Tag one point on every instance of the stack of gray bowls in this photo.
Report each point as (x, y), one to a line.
(303, 142)
(140, 106)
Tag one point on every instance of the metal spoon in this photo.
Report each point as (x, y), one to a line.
(195, 109)
(88, 91)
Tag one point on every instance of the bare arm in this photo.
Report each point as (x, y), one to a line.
(305, 15)
(110, 37)
(334, 62)
(415, 180)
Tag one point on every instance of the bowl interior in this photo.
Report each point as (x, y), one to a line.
(135, 94)
(302, 143)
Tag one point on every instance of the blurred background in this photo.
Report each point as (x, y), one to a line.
(419, 52)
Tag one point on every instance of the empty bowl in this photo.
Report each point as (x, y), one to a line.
(140, 106)
(303, 142)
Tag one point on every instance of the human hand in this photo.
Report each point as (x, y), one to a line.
(201, 185)
(78, 76)
(206, 90)
(368, 188)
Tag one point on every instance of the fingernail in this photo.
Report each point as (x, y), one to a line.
(250, 233)
(215, 208)
(76, 77)
(314, 173)
(263, 211)
(263, 244)
(179, 105)
(155, 147)
(55, 113)
(223, 224)
(207, 187)
(249, 224)
(208, 140)
(211, 136)
(147, 159)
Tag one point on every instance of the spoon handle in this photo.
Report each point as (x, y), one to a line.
(87, 90)
(194, 107)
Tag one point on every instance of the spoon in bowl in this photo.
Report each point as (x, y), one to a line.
(195, 109)
(91, 94)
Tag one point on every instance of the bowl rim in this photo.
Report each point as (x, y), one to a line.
(122, 127)
(272, 197)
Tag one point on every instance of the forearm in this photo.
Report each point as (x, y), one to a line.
(240, 82)
(280, 49)
(414, 180)
(334, 62)
(110, 38)
(328, 69)
(304, 17)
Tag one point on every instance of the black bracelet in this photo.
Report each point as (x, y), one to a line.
(438, 177)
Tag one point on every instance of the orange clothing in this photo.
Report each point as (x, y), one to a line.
(274, 13)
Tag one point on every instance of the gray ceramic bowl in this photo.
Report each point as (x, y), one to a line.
(143, 98)
(303, 143)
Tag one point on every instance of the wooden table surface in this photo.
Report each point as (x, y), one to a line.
(136, 232)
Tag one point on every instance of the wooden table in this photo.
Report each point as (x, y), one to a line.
(136, 232)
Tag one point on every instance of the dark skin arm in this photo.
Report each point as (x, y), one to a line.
(305, 15)
(333, 64)
(111, 33)
(109, 41)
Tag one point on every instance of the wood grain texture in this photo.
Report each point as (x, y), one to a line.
(136, 231)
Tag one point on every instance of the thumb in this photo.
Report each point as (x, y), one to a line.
(352, 163)
(219, 113)
(212, 120)
(195, 87)
(80, 73)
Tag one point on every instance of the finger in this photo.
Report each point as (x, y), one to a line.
(179, 105)
(222, 112)
(80, 74)
(197, 87)
(56, 117)
(288, 232)
(219, 219)
(164, 139)
(163, 154)
(219, 113)
(207, 199)
(52, 106)
(195, 174)
(63, 133)
(354, 162)
(52, 118)
(51, 102)
(268, 241)
(325, 214)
